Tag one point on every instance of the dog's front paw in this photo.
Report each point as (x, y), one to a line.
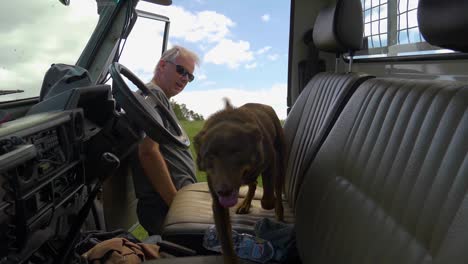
(243, 209)
(268, 204)
(279, 211)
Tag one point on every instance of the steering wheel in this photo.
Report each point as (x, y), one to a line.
(141, 107)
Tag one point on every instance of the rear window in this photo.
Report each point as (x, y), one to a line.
(391, 30)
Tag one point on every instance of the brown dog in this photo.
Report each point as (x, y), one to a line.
(234, 147)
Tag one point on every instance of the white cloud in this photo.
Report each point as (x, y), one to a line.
(143, 48)
(203, 47)
(273, 57)
(36, 34)
(210, 30)
(230, 53)
(207, 83)
(204, 26)
(251, 66)
(266, 18)
(263, 50)
(274, 96)
(201, 77)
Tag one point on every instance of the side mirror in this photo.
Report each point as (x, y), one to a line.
(65, 2)
(160, 2)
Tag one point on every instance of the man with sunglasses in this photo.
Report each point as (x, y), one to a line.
(160, 170)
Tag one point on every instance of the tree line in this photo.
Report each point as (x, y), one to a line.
(185, 114)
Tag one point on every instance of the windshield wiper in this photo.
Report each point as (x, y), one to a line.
(4, 92)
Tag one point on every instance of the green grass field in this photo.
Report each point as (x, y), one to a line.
(192, 128)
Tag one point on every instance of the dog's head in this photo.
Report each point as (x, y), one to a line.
(228, 152)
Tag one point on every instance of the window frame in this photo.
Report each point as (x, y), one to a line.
(393, 50)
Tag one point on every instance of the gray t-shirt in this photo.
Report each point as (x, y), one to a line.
(179, 161)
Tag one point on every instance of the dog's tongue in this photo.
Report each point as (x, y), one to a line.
(228, 201)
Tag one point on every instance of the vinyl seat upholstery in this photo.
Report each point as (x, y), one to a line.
(389, 184)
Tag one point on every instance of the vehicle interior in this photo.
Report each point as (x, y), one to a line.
(377, 136)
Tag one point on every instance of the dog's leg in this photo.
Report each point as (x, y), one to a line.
(279, 210)
(280, 172)
(245, 206)
(223, 228)
(268, 199)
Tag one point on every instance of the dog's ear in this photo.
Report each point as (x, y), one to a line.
(228, 105)
(197, 142)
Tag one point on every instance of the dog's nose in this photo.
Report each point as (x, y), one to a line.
(224, 192)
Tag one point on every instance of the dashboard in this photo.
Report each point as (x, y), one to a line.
(52, 162)
(42, 174)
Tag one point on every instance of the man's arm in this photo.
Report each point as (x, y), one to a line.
(156, 170)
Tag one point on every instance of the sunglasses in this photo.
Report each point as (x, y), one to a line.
(182, 71)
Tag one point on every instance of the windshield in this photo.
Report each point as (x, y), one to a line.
(36, 34)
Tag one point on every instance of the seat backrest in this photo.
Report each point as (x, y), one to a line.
(390, 183)
(321, 101)
(311, 119)
(339, 27)
(444, 23)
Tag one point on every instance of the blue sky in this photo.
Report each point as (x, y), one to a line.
(243, 47)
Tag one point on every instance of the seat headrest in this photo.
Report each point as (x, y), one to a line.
(339, 28)
(444, 23)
